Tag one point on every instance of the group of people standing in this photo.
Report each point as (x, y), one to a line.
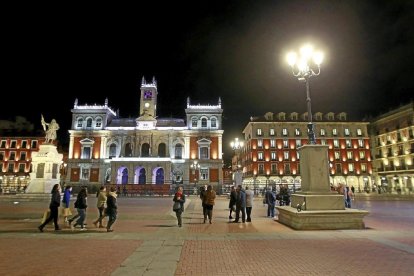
(241, 202)
(106, 204)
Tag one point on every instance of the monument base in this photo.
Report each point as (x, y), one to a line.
(318, 201)
(322, 219)
(39, 185)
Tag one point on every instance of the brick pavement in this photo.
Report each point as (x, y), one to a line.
(147, 241)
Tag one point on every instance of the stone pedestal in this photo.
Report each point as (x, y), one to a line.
(45, 169)
(321, 208)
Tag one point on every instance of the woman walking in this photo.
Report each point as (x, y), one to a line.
(111, 208)
(66, 201)
(54, 209)
(178, 208)
(81, 205)
(101, 203)
(209, 202)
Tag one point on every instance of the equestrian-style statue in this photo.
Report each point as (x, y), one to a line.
(52, 127)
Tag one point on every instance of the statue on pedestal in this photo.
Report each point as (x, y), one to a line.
(52, 127)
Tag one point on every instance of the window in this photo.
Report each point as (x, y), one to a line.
(334, 132)
(12, 156)
(286, 155)
(323, 142)
(272, 132)
(348, 143)
(22, 167)
(89, 122)
(178, 151)
(86, 152)
(259, 143)
(297, 132)
(98, 123)
(349, 155)
(337, 155)
(13, 144)
(80, 122)
(338, 168)
(3, 144)
(260, 155)
(11, 167)
(34, 144)
(361, 143)
(347, 132)
(112, 150)
(1, 157)
(162, 152)
(204, 173)
(362, 155)
(259, 132)
(359, 132)
(273, 155)
(272, 143)
(322, 132)
(336, 143)
(213, 122)
(364, 167)
(285, 143)
(297, 155)
(204, 122)
(286, 168)
(24, 144)
(351, 167)
(274, 168)
(284, 132)
(194, 122)
(261, 168)
(204, 152)
(85, 173)
(145, 150)
(298, 143)
(23, 156)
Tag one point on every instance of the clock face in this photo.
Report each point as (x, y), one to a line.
(147, 94)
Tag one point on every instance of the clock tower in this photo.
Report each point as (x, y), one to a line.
(148, 99)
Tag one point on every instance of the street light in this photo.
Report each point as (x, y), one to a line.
(195, 166)
(236, 145)
(302, 69)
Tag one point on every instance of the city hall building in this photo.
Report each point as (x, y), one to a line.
(147, 150)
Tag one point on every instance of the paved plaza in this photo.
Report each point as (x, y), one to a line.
(147, 241)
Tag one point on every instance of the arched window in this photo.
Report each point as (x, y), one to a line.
(162, 150)
(204, 122)
(112, 150)
(89, 122)
(98, 122)
(159, 176)
(79, 123)
(194, 122)
(145, 150)
(213, 122)
(178, 151)
(128, 150)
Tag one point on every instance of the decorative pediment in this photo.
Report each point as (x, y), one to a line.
(204, 141)
(87, 141)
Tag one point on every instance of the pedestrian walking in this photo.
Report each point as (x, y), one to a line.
(66, 212)
(54, 209)
(203, 191)
(249, 203)
(101, 205)
(178, 207)
(232, 202)
(240, 204)
(209, 203)
(271, 202)
(111, 209)
(80, 205)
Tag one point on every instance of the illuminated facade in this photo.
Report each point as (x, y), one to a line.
(392, 139)
(105, 148)
(270, 154)
(15, 161)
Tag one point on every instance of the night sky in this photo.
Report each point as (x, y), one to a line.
(205, 50)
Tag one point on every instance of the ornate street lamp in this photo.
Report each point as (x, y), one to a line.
(236, 145)
(195, 166)
(303, 68)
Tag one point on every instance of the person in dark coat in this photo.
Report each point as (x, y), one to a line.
(81, 205)
(232, 202)
(203, 192)
(240, 204)
(271, 202)
(54, 209)
(179, 197)
(111, 208)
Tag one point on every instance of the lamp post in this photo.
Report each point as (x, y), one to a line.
(195, 166)
(302, 69)
(236, 145)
